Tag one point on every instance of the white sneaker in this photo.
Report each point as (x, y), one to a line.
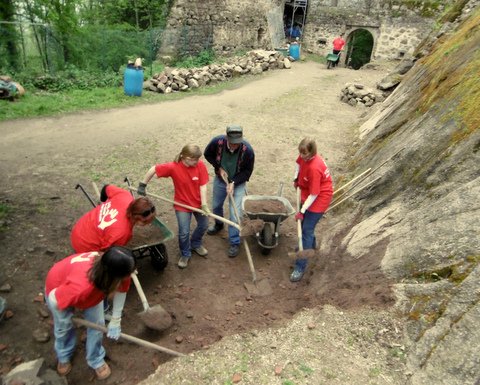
(202, 251)
(183, 262)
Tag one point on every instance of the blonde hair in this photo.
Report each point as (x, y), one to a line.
(189, 151)
(309, 145)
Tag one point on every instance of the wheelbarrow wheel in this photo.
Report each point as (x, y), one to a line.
(158, 257)
(329, 64)
(267, 238)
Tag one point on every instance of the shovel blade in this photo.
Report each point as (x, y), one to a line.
(156, 318)
(260, 289)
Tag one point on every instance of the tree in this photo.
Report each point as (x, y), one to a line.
(8, 36)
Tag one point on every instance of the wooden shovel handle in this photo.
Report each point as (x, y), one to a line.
(299, 223)
(218, 217)
(140, 292)
(127, 337)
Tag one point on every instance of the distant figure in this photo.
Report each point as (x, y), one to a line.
(295, 31)
(338, 45)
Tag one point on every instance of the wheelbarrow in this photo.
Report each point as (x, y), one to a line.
(267, 237)
(331, 60)
(156, 251)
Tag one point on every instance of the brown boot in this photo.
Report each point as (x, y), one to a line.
(103, 372)
(63, 368)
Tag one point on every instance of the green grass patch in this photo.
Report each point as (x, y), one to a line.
(4, 210)
(51, 104)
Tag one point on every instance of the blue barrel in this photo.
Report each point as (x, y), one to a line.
(133, 81)
(294, 51)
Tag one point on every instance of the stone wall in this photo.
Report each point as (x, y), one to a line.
(229, 26)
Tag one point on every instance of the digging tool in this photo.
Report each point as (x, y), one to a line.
(155, 317)
(360, 178)
(257, 287)
(366, 173)
(352, 194)
(86, 194)
(127, 337)
(222, 219)
(126, 180)
(247, 248)
(310, 253)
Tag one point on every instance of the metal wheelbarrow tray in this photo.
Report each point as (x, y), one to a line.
(268, 237)
(156, 251)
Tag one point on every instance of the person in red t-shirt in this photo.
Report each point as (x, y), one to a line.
(315, 183)
(338, 45)
(111, 223)
(190, 178)
(82, 281)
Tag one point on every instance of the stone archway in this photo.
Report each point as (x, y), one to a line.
(359, 47)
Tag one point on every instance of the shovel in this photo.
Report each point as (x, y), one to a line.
(218, 217)
(127, 337)
(261, 287)
(301, 253)
(155, 317)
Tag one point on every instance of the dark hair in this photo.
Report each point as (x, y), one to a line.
(111, 268)
(139, 205)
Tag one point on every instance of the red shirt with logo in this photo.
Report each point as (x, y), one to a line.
(106, 225)
(314, 179)
(70, 277)
(186, 180)
(338, 44)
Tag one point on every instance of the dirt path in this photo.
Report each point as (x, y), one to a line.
(43, 159)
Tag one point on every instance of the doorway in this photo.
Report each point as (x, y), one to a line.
(294, 16)
(359, 48)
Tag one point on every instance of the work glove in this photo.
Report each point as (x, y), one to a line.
(142, 187)
(299, 216)
(114, 328)
(206, 209)
(295, 183)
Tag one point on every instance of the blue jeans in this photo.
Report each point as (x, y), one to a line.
(219, 196)
(310, 220)
(65, 334)
(185, 244)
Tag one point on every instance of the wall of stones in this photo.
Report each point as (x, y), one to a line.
(229, 26)
(226, 26)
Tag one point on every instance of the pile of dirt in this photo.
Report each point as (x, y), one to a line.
(265, 206)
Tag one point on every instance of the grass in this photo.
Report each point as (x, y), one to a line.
(51, 104)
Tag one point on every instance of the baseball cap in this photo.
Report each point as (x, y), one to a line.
(234, 134)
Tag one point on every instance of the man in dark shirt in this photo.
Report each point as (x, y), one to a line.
(233, 159)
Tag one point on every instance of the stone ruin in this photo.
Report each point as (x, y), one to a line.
(356, 93)
(254, 63)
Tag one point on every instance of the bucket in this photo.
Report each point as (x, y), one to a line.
(294, 51)
(133, 81)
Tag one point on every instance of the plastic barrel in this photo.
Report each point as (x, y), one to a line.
(133, 81)
(294, 51)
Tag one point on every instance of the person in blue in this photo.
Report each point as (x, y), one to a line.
(295, 31)
(233, 159)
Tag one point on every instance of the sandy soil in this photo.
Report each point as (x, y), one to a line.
(42, 160)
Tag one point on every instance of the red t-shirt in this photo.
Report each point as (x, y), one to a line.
(70, 277)
(106, 225)
(186, 180)
(314, 179)
(338, 44)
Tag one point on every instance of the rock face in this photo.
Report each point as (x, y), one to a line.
(425, 205)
